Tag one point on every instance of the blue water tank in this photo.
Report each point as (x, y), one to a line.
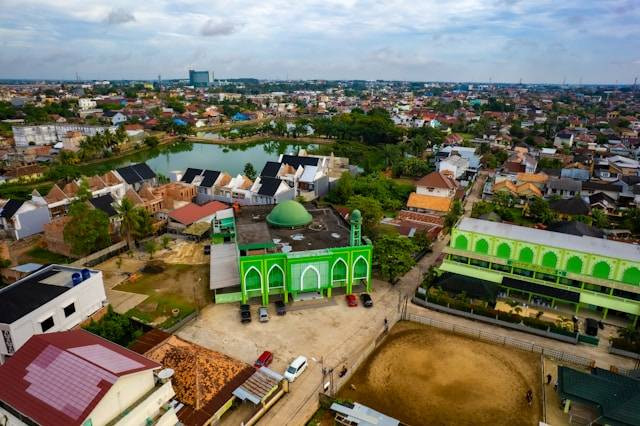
(86, 274)
(76, 278)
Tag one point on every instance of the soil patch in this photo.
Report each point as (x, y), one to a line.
(422, 375)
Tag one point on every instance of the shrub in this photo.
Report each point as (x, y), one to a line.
(625, 345)
(536, 323)
(509, 317)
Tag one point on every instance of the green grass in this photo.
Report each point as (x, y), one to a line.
(43, 255)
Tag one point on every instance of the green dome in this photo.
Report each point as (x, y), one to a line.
(355, 217)
(289, 214)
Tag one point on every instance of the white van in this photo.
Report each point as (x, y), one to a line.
(295, 368)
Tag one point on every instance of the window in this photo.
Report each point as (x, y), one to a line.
(47, 324)
(69, 310)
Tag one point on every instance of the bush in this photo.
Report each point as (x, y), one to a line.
(536, 323)
(116, 328)
(625, 345)
(508, 317)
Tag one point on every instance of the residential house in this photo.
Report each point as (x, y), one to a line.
(454, 164)
(75, 378)
(181, 218)
(521, 162)
(136, 175)
(612, 189)
(20, 219)
(563, 187)
(55, 298)
(307, 175)
(468, 153)
(116, 117)
(434, 193)
(563, 139)
(71, 141)
(567, 208)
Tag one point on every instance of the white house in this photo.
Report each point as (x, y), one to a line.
(76, 378)
(55, 298)
(454, 164)
(86, 104)
(563, 139)
(21, 219)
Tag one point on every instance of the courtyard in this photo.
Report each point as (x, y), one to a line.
(447, 379)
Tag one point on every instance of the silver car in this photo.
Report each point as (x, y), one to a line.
(263, 314)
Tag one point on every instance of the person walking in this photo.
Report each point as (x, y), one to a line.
(529, 397)
(549, 378)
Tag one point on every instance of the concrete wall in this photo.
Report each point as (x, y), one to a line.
(31, 222)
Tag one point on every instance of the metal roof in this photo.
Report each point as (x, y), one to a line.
(362, 415)
(10, 208)
(585, 244)
(270, 169)
(189, 174)
(269, 186)
(259, 386)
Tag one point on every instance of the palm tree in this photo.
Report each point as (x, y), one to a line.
(128, 219)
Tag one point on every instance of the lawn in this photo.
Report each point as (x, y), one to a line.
(42, 255)
(182, 287)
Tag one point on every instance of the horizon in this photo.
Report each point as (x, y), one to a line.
(538, 42)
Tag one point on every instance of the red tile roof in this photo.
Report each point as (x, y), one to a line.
(437, 180)
(192, 212)
(57, 379)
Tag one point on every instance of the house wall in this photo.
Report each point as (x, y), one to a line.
(437, 192)
(31, 222)
(88, 297)
(124, 392)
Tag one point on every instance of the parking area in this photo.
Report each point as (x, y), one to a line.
(325, 333)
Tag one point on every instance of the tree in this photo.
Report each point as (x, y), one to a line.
(151, 141)
(540, 211)
(453, 215)
(165, 241)
(250, 171)
(631, 220)
(115, 328)
(134, 222)
(369, 207)
(150, 247)
(393, 256)
(87, 230)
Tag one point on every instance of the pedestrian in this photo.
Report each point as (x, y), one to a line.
(549, 379)
(529, 397)
(555, 385)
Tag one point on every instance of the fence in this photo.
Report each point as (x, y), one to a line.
(99, 256)
(555, 354)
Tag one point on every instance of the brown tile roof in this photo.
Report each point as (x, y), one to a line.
(55, 194)
(532, 177)
(133, 196)
(224, 179)
(71, 189)
(96, 182)
(192, 212)
(429, 202)
(528, 188)
(407, 215)
(246, 183)
(438, 180)
(110, 178)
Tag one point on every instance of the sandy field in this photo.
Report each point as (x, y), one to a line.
(425, 376)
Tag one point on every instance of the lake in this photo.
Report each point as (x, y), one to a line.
(229, 158)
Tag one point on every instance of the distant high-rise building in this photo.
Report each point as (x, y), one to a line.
(198, 78)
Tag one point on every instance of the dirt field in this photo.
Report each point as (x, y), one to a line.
(421, 375)
(184, 253)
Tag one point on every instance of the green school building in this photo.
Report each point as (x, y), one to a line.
(590, 275)
(289, 251)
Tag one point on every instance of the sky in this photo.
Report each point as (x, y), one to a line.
(539, 41)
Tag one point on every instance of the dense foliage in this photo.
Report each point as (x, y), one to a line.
(116, 328)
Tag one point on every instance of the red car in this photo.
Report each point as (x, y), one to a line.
(263, 360)
(352, 300)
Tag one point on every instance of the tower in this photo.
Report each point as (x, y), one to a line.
(355, 239)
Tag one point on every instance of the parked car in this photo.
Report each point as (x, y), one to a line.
(366, 300)
(263, 360)
(281, 308)
(245, 313)
(263, 314)
(207, 249)
(352, 300)
(296, 368)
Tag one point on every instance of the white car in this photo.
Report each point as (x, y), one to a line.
(295, 368)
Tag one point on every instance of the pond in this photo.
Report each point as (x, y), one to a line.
(229, 158)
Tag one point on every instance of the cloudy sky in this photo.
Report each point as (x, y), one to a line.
(462, 40)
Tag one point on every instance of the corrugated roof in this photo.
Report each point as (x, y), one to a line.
(57, 379)
(192, 212)
(598, 246)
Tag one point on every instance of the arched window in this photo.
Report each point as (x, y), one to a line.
(275, 278)
(574, 265)
(631, 276)
(526, 255)
(461, 242)
(252, 279)
(360, 269)
(549, 260)
(601, 270)
(504, 251)
(482, 246)
(339, 272)
(310, 279)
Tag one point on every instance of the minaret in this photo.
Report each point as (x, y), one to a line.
(356, 225)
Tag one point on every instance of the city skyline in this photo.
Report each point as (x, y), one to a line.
(499, 41)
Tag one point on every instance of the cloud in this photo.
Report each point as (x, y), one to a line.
(120, 16)
(216, 28)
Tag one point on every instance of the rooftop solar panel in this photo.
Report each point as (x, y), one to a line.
(269, 186)
(270, 169)
(189, 174)
(106, 358)
(210, 177)
(128, 174)
(144, 171)
(295, 161)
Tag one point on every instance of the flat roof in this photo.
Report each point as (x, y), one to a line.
(585, 244)
(327, 230)
(33, 291)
